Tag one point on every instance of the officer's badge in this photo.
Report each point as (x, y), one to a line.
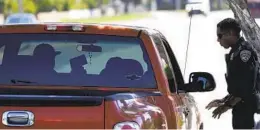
(245, 55)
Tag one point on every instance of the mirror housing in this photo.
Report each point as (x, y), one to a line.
(200, 82)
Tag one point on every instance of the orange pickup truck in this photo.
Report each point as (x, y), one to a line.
(94, 76)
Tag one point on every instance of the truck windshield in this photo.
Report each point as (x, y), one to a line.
(74, 60)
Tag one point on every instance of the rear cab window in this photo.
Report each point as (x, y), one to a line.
(74, 60)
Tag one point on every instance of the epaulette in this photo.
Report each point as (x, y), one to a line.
(245, 45)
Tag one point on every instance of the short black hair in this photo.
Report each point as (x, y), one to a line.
(230, 24)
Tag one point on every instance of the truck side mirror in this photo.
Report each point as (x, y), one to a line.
(200, 82)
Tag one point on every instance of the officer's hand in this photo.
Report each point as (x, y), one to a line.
(214, 103)
(220, 110)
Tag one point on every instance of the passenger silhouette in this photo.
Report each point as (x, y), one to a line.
(44, 55)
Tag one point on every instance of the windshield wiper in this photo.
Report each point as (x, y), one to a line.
(14, 81)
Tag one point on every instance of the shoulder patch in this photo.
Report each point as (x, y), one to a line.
(245, 55)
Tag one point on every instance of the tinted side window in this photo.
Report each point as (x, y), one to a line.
(176, 68)
(165, 61)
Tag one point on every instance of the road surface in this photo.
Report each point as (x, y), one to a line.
(204, 54)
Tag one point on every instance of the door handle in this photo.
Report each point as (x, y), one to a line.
(18, 118)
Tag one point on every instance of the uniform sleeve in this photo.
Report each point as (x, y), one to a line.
(241, 77)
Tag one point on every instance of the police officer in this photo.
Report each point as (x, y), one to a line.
(241, 62)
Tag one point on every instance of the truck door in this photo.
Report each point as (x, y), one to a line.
(168, 69)
(189, 105)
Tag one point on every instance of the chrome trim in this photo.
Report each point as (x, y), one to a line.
(18, 118)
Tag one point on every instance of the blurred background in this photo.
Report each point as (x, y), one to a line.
(78, 9)
(171, 17)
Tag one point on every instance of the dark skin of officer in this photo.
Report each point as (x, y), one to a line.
(240, 73)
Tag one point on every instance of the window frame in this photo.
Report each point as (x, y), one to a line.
(156, 38)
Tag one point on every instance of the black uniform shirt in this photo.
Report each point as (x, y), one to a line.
(240, 70)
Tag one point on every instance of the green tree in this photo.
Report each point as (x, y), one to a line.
(29, 6)
(10, 6)
(49, 5)
(88, 3)
(76, 4)
(66, 6)
(59, 4)
(44, 5)
(95, 3)
(2, 4)
(36, 6)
